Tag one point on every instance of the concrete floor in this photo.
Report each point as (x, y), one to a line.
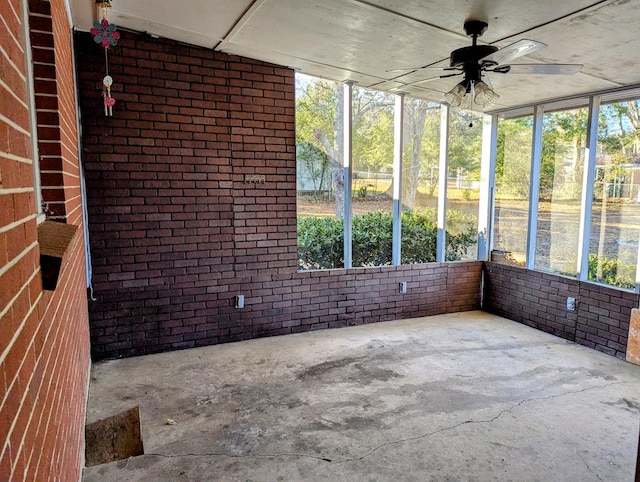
(467, 396)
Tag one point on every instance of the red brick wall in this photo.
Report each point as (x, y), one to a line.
(44, 349)
(175, 231)
(601, 320)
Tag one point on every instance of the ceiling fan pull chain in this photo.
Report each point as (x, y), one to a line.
(471, 97)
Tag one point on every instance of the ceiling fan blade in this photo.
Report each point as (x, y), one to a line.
(430, 79)
(513, 51)
(487, 80)
(550, 69)
(436, 78)
(419, 69)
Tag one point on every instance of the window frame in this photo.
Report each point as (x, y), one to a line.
(593, 102)
(486, 212)
(33, 119)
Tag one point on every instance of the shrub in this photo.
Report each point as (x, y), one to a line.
(320, 240)
(613, 272)
(372, 235)
(320, 243)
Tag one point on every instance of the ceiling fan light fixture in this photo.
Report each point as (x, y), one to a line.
(454, 96)
(484, 95)
(474, 61)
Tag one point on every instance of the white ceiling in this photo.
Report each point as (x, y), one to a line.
(360, 40)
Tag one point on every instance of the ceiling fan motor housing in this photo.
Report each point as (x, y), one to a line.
(468, 58)
(471, 55)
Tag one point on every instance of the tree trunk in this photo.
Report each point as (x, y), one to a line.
(337, 178)
(335, 152)
(411, 172)
(577, 168)
(337, 160)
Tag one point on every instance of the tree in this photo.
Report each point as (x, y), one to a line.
(313, 163)
(618, 147)
(619, 128)
(319, 121)
(563, 145)
(513, 156)
(465, 142)
(419, 156)
(373, 118)
(319, 106)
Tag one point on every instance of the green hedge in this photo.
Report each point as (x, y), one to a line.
(613, 272)
(320, 240)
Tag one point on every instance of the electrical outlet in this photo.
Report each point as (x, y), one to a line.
(403, 287)
(571, 304)
(239, 301)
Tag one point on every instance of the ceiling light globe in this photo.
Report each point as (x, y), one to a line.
(454, 96)
(484, 95)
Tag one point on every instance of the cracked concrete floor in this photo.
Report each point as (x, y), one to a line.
(467, 396)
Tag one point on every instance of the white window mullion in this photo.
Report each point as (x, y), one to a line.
(534, 186)
(397, 179)
(588, 180)
(487, 185)
(347, 170)
(442, 184)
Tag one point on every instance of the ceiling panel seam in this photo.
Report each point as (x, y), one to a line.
(323, 64)
(239, 23)
(586, 9)
(452, 33)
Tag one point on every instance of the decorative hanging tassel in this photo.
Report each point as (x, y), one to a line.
(108, 100)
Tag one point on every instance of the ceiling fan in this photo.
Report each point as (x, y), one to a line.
(476, 60)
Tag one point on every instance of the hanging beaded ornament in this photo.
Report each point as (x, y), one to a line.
(105, 34)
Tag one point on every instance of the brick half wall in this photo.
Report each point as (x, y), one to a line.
(177, 231)
(601, 319)
(140, 321)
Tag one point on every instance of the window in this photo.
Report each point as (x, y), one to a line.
(320, 172)
(559, 208)
(463, 184)
(421, 129)
(324, 212)
(512, 184)
(615, 219)
(613, 199)
(372, 177)
(608, 213)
